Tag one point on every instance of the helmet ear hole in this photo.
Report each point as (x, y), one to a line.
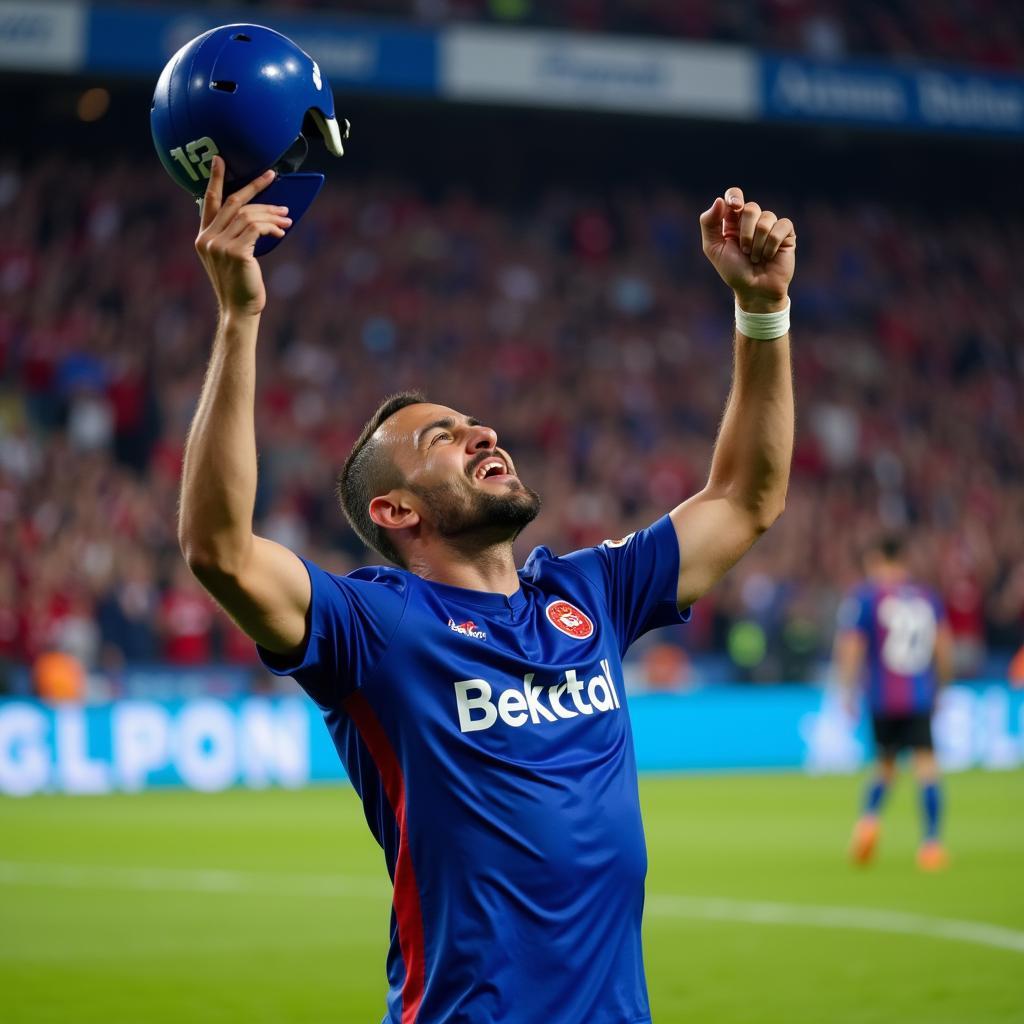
(224, 86)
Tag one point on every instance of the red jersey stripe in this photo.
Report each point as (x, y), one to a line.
(407, 896)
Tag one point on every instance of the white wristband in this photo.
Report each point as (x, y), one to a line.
(763, 326)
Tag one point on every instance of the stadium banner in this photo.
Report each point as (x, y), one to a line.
(532, 67)
(359, 55)
(876, 94)
(211, 744)
(41, 36)
(546, 68)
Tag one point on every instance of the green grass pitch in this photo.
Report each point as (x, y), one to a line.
(273, 907)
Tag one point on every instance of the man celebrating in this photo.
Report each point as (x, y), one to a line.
(479, 709)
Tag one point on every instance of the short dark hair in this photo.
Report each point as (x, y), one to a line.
(367, 474)
(890, 546)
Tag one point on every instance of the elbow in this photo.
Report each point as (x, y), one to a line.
(767, 514)
(200, 559)
(195, 553)
(209, 560)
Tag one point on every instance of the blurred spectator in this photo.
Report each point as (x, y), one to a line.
(579, 326)
(58, 677)
(128, 610)
(981, 32)
(666, 667)
(12, 651)
(186, 621)
(1016, 673)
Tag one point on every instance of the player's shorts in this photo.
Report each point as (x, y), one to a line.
(894, 733)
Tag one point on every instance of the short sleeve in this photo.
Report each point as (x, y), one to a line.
(351, 621)
(639, 577)
(854, 613)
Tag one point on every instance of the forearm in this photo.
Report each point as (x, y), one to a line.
(752, 456)
(848, 661)
(218, 490)
(847, 671)
(754, 253)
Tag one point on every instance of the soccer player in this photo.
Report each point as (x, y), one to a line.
(893, 637)
(479, 710)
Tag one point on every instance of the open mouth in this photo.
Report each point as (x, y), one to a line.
(493, 468)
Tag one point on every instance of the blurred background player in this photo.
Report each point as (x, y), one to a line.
(893, 639)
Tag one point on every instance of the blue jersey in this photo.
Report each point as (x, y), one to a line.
(899, 623)
(489, 740)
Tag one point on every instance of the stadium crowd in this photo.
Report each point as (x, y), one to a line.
(980, 32)
(587, 330)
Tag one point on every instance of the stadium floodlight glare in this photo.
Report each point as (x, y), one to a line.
(252, 96)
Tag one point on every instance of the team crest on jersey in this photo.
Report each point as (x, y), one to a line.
(569, 619)
(467, 628)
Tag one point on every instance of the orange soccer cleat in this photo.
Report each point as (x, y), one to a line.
(931, 856)
(865, 839)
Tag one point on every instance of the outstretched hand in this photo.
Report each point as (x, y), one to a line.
(228, 232)
(753, 251)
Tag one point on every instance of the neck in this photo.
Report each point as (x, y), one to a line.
(490, 568)
(892, 574)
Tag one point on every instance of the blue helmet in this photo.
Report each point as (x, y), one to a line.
(251, 95)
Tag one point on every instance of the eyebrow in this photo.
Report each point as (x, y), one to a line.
(445, 423)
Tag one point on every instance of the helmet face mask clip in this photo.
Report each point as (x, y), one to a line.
(253, 97)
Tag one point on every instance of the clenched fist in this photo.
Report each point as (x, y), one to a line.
(753, 250)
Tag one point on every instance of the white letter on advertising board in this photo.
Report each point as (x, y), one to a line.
(206, 751)
(24, 758)
(76, 772)
(273, 743)
(140, 735)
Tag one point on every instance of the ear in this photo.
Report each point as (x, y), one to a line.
(392, 511)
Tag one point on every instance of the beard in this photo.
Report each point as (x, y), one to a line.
(490, 518)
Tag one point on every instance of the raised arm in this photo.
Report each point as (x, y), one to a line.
(754, 252)
(262, 585)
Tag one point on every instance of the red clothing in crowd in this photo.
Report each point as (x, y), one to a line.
(187, 615)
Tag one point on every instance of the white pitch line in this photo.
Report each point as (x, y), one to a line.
(213, 880)
(847, 918)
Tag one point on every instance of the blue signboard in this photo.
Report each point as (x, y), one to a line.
(212, 744)
(547, 68)
(886, 95)
(204, 744)
(353, 54)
